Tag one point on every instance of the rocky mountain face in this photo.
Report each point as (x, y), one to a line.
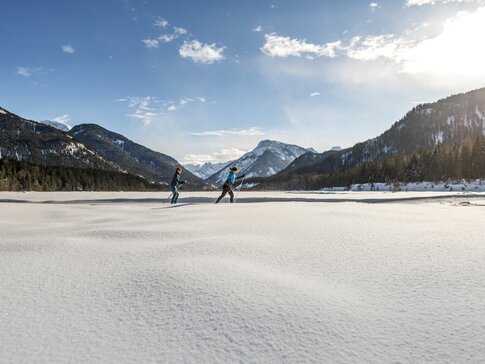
(447, 121)
(27, 140)
(132, 157)
(85, 146)
(268, 158)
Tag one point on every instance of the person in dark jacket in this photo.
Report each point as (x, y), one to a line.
(229, 184)
(175, 184)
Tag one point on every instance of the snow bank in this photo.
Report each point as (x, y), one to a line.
(93, 278)
(476, 186)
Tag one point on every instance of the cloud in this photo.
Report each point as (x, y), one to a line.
(31, 71)
(410, 3)
(179, 31)
(244, 132)
(387, 46)
(259, 28)
(145, 109)
(63, 119)
(279, 46)
(167, 38)
(151, 43)
(160, 23)
(67, 48)
(224, 155)
(148, 108)
(447, 55)
(452, 53)
(24, 71)
(316, 93)
(200, 52)
(373, 6)
(193, 49)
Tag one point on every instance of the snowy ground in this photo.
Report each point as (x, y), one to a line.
(278, 277)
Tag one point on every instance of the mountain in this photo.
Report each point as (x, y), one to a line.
(86, 146)
(57, 125)
(444, 122)
(30, 141)
(205, 170)
(132, 157)
(269, 157)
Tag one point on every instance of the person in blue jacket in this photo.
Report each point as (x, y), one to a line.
(175, 184)
(229, 184)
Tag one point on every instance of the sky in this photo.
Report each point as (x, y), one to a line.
(207, 80)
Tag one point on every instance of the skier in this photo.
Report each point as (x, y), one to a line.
(175, 183)
(229, 184)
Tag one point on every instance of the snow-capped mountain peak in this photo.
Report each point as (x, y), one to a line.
(207, 169)
(57, 125)
(268, 158)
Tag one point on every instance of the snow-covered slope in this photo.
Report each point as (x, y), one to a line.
(57, 125)
(207, 169)
(268, 158)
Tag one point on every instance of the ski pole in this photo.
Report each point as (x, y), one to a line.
(240, 187)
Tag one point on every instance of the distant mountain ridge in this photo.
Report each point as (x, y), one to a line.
(132, 157)
(85, 146)
(447, 121)
(205, 170)
(268, 158)
(26, 140)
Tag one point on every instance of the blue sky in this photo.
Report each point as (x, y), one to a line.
(206, 80)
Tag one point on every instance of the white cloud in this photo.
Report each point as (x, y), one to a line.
(148, 108)
(160, 23)
(410, 3)
(24, 71)
(63, 119)
(224, 155)
(166, 38)
(454, 53)
(67, 48)
(179, 31)
(31, 71)
(316, 93)
(151, 43)
(244, 132)
(279, 46)
(200, 52)
(259, 28)
(373, 6)
(448, 55)
(145, 109)
(387, 46)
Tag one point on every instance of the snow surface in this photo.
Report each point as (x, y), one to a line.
(125, 277)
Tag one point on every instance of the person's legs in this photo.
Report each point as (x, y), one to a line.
(232, 195)
(224, 191)
(175, 194)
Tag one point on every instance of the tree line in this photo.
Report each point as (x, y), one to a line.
(25, 176)
(465, 160)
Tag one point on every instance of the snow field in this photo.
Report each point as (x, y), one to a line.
(291, 281)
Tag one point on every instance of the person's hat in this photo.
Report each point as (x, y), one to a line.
(234, 169)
